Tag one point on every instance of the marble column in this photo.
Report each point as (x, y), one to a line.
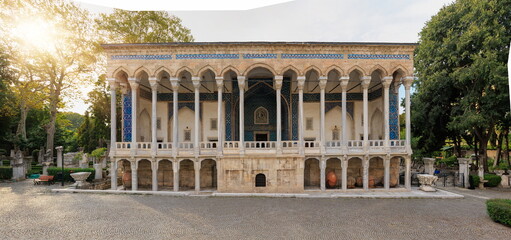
(365, 178)
(407, 82)
(322, 86)
(241, 85)
(219, 120)
(134, 175)
(278, 87)
(175, 169)
(154, 90)
(197, 175)
(175, 130)
(154, 172)
(322, 167)
(59, 156)
(386, 176)
(386, 82)
(429, 165)
(113, 173)
(113, 116)
(134, 102)
(344, 173)
(408, 180)
(301, 84)
(365, 81)
(196, 130)
(464, 164)
(344, 87)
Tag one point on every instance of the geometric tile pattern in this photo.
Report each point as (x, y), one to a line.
(393, 114)
(260, 56)
(126, 101)
(312, 56)
(378, 56)
(207, 56)
(141, 57)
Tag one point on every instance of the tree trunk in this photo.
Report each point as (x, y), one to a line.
(507, 147)
(499, 148)
(54, 103)
(22, 129)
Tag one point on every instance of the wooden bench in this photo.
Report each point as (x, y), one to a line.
(44, 178)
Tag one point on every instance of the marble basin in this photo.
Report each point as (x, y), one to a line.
(427, 182)
(80, 178)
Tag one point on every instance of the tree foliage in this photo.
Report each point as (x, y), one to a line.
(461, 67)
(124, 26)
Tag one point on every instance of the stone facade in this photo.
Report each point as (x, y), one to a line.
(261, 116)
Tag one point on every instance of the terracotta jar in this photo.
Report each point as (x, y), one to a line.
(351, 182)
(371, 182)
(331, 179)
(126, 179)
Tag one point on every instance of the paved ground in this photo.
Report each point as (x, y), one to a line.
(34, 212)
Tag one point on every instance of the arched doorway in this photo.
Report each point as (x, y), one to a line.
(260, 180)
(355, 173)
(208, 175)
(186, 175)
(333, 166)
(144, 175)
(124, 171)
(311, 174)
(376, 172)
(165, 175)
(395, 168)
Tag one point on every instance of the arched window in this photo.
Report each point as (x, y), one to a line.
(260, 180)
(261, 116)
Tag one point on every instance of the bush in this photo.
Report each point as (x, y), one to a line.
(474, 181)
(3, 151)
(54, 170)
(499, 210)
(493, 180)
(5, 172)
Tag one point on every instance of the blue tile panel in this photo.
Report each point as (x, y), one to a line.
(312, 56)
(126, 102)
(260, 56)
(207, 56)
(378, 56)
(393, 114)
(141, 57)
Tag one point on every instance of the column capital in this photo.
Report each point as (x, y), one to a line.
(365, 81)
(219, 82)
(133, 83)
(124, 87)
(278, 82)
(344, 82)
(175, 83)
(196, 82)
(241, 82)
(322, 82)
(154, 83)
(301, 82)
(407, 81)
(386, 81)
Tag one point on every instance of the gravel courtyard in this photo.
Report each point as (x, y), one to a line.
(34, 212)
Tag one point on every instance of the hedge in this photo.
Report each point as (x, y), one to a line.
(493, 180)
(499, 210)
(474, 181)
(54, 170)
(5, 172)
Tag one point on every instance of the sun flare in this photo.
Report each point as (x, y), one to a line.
(36, 33)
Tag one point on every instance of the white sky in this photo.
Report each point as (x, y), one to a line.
(298, 20)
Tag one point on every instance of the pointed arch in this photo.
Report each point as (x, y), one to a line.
(119, 70)
(358, 69)
(229, 68)
(184, 69)
(312, 67)
(140, 70)
(144, 126)
(400, 69)
(379, 68)
(160, 71)
(261, 65)
(336, 68)
(205, 69)
(292, 68)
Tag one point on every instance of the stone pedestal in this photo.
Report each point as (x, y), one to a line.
(427, 182)
(464, 165)
(18, 171)
(59, 156)
(99, 171)
(84, 163)
(504, 182)
(45, 167)
(429, 165)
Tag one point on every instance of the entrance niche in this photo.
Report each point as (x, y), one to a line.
(355, 173)
(144, 174)
(395, 166)
(260, 180)
(376, 172)
(165, 175)
(124, 171)
(311, 174)
(333, 173)
(186, 175)
(208, 175)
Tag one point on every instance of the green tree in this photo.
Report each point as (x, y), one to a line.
(461, 66)
(123, 26)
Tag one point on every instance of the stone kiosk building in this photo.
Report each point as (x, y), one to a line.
(260, 116)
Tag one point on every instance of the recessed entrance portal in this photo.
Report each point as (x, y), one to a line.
(261, 136)
(260, 180)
